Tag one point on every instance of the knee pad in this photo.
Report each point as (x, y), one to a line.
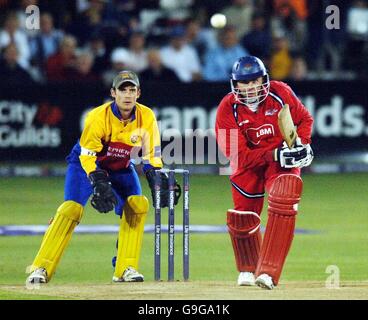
(242, 224)
(137, 204)
(134, 208)
(243, 227)
(71, 210)
(285, 194)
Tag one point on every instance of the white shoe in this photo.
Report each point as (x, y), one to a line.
(246, 279)
(129, 275)
(38, 276)
(265, 281)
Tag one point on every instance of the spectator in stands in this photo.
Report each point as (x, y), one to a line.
(289, 18)
(136, 59)
(59, 65)
(116, 30)
(155, 70)
(315, 26)
(63, 12)
(46, 42)
(239, 14)
(11, 72)
(180, 57)
(96, 46)
(200, 37)
(356, 39)
(118, 61)
(89, 21)
(219, 61)
(281, 61)
(83, 68)
(176, 10)
(209, 7)
(120, 13)
(137, 51)
(299, 69)
(258, 40)
(12, 34)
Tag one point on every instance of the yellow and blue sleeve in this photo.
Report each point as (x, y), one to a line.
(91, 143)
(151, 146)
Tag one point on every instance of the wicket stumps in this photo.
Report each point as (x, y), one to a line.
(171, 223)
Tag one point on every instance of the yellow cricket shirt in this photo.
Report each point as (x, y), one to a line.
(108, 141)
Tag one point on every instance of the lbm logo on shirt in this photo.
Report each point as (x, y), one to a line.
(255, 135)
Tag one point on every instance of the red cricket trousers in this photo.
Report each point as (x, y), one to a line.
(249, 185)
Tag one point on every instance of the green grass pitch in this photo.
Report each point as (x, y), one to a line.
(333, 205)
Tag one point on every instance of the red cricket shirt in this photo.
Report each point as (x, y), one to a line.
(257, 132)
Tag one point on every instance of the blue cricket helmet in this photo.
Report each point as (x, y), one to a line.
(247, 69)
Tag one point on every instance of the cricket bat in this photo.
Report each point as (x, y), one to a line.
(286, 126)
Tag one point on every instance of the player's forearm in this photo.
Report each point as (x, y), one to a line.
(304, 130)
(88, 163)
(304, 123)
(152, 153)
(253, 158)
(152, 163)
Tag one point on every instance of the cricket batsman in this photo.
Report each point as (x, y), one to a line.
(100, 165)
(248, 134)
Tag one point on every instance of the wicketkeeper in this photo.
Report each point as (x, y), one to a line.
(100, 165)
(248, 134)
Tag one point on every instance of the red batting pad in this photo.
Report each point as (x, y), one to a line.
(243, 227)
(285, 193)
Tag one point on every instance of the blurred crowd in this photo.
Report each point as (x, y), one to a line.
(173, 40)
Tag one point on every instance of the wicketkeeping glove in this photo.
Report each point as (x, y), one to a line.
(301, 155)
(164, 194)
(103, 198)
